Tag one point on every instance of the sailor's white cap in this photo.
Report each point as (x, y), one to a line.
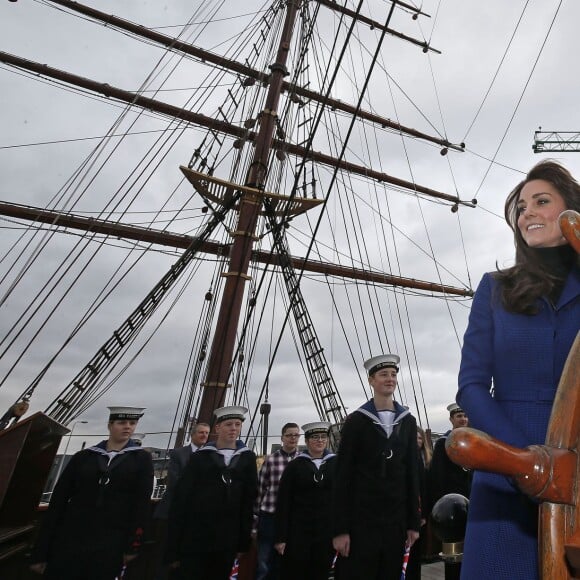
(232, 412)
(454, 408)
(316, 427)
(123, 413)
(380, 362)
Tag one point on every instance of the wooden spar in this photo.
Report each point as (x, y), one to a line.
(222, 126)
(242, 69)
(174, 240)
(375, 24)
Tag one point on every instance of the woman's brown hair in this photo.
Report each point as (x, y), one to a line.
(425, 452)
(526, 281)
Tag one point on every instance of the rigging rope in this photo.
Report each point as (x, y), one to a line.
(512, 117)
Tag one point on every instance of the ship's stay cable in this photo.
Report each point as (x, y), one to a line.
(258, 292)
(410, 348)
(251, 350)
(95, 138)
(183, 414)
(104, 384)
(498, 69)
(358, 227)
(202, 361)
(343, 149)
(424, 221)
(332, 145)
(520, 99)
(198, 351)
(364, 322)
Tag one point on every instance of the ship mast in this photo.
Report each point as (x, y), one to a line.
(250, 200)
(223, 344)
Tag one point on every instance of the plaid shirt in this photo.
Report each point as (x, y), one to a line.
(269, 481)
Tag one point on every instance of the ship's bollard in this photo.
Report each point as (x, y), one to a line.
(449, 518)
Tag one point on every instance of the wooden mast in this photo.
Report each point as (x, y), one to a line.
(223, 344)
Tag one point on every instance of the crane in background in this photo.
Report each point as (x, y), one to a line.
(562, 141)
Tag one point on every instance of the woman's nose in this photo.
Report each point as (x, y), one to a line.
(529, 211)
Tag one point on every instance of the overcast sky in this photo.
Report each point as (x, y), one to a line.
(530, 84)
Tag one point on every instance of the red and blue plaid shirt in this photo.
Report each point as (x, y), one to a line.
(269, 481)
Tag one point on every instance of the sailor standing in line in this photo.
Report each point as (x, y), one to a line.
(210, 518)
(376, 506)
(98, 510)
(444, 475)
(178, 460)
(302, 517)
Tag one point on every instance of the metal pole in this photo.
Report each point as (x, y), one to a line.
(265, 412)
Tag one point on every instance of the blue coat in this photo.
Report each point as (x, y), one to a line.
(524, 357)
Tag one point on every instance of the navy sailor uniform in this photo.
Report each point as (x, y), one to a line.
(376, 497)
(303, 517)
(210, 518)
(97, 513)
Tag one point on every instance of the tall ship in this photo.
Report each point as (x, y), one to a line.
(237, 203)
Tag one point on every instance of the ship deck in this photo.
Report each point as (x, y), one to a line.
(433, 571)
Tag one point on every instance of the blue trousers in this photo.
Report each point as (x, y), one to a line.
(267, 567)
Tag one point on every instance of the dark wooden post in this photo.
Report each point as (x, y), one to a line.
(222, 348)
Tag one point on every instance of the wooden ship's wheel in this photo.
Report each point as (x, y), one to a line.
(549, 473)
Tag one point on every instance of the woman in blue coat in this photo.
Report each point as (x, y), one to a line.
(522, 325)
